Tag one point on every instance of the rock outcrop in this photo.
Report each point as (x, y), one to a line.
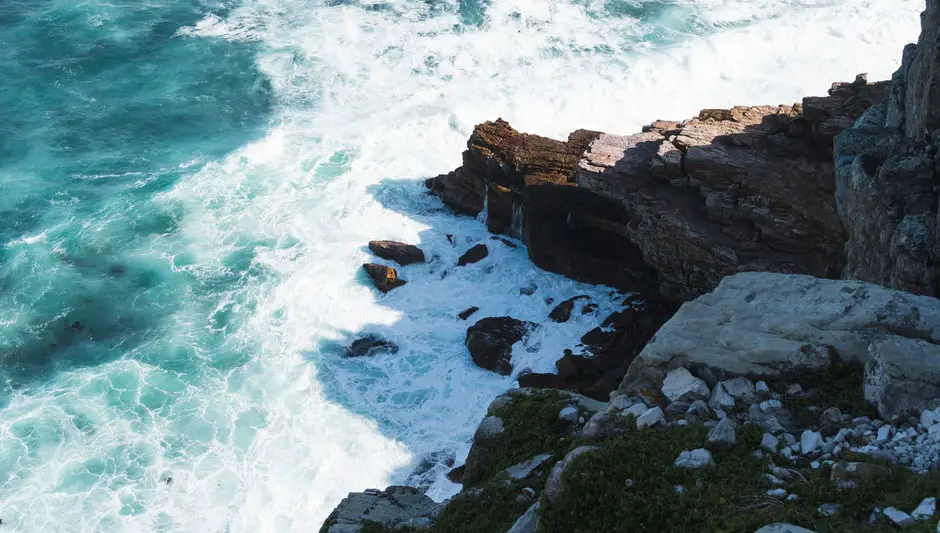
(385, 278)
(763, 324)
(675, 208)
(389, 508)
(888, 182)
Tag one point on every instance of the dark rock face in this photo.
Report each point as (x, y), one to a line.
(370, 345)
(536, 380)
(490, 342)
(466, 313)
(401, 253)
(383, 277)
(677, 207)
(888, 182)
(562, 312)
(473, 255)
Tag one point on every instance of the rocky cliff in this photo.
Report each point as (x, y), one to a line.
(887, 177)
(677, 207)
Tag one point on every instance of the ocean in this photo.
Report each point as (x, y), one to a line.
(187, 188)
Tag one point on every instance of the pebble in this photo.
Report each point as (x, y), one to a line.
(720, 399)
(629, 483)
(774, 480)
(815, 465)
(883, 433)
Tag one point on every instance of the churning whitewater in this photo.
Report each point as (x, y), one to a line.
(187, 189)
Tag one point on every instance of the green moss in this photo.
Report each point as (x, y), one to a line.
(494, 509)
(730, 497)
(531, 427)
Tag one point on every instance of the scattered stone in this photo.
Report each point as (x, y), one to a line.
(637, 410)
(384, 278)
(722, 437)
(883, 434)
(809, 441)
(650, 418)
(720, 399)
(680, 490)
(847, 475)
(465, 314)
(898, 517)
(681, 385)
(370, 345)
(774, 480)
(830, 417)
(769, 442)
(562, 312)
(401, 253)
(554, 489)
(793, 498)
(694, 459)
(620, 403)
(522, 470)
(698, 408)
(762, 388)
(678, 408)
(569, 414)
(741, 389)
(926, 509)
(490, 342)
(473, 255)
(629, 483)
(929, 417)
(777, 493)
(768, 420)
(829, 509)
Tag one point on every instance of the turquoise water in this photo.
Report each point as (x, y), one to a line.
(186, 188)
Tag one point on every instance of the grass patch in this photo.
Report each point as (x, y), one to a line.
(838, 385)
(730, 497)
(531, 427)
(493, 510)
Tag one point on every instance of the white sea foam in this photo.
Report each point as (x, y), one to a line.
(369, 102)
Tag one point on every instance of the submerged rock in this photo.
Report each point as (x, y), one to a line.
(466, 313)
(562, 312)
(401, 253)
(384, 278)
(490, 342)
(370, 345)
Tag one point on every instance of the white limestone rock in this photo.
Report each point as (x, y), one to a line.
(926, 509)
(681, 385)
(699, 458)
(898, 517)
(722, 436)
(809, 441)
(650, 418)
(569, 414)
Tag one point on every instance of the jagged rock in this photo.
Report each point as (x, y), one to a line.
(741, 389)
(783, 528)
(898, 517)
(698, 408)
(769, 442)
(720, 399)
(401, 253)
(524, 469)
(528, 522)
(562, 312)
(699, 458)
(473, 255)
(537, 380)
(829, 509)
(370, 345)
(384, 278)
(926, 509)
(554, 486)
(389, 508)
(465, 314)
(490, 342)
(722, 436)
(748, 188)
(765, 324)
(485, 439)
(830, 417)
(886, 175)
(809, 441)
(681, 385)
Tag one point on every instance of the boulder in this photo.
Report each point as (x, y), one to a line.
(490, 342)
(765, 324)
(528, 522)
(673, 209)
(401, 253)
(485, 441)
(554, 487)
(370, 345)
(723, 436)
(388, 508)
(473, 255)
(384, 278)
(537, 380)
(699, 458)
(681, 385)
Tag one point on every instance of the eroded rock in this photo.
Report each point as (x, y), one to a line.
(385, 278)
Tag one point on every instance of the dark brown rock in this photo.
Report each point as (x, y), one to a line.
(385, 278)
(490, 342)
(678, 207)
(465, 314)
(541, 381)
(456, 475)
(562, 312)
(473, 255)
(370, 345)
(401, 253)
